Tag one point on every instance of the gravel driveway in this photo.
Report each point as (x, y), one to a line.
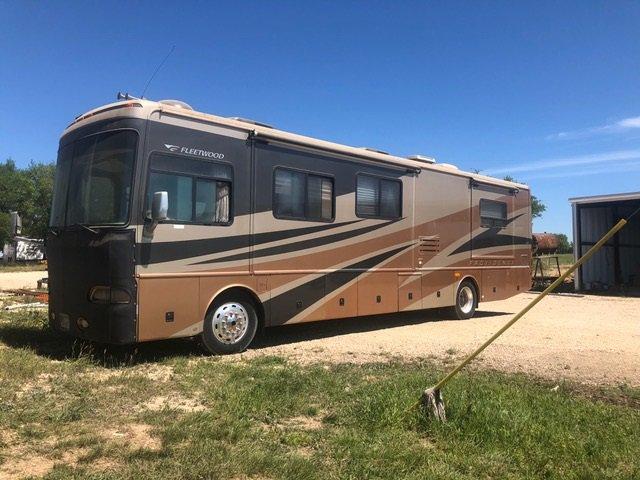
(14, 280)
(589, 339)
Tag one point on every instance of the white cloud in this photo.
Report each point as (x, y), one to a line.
(582, 172)
(621, 126)
(556, 163)
(633, 122)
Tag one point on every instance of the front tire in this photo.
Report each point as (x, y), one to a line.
(466, 301)
(230, 325)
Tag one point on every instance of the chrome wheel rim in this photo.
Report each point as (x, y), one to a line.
(230, 323)
(465, 299)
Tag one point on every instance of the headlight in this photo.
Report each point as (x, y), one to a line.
(100, 295)
(106, 295)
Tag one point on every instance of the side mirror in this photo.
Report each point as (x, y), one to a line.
(159, 206)
(16, 224)
(159, 210)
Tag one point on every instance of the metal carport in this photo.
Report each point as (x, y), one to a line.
(617, 265)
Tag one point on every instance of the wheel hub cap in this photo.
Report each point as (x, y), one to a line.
(230, 323)
(465, 299)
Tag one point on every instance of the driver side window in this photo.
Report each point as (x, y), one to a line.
(199, 191)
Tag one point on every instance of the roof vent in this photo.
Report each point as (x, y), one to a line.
(177, 104)
(374, 150)
(422, 158)
(252, 122)
(449, 165)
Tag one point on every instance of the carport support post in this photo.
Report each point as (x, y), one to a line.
(432, 397)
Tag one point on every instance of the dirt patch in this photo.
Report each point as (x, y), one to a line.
(103, 464)
(104, 374)
(27, 460)
(70, 457)
(251, 477)
(42, 383)
(304, 451)
(25, 464)
(136, 436)
(301, 422)
(157, 373)
(8, 437)
(173, 402)
(16, 280)
(34, 460)
(590, 339)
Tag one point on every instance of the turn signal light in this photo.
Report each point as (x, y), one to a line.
(106, 295)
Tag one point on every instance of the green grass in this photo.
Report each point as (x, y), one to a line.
(77, 406)
(22, 267)
(566, 259)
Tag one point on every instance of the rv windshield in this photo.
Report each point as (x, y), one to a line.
(93, 180)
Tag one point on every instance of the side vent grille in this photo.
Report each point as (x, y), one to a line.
(430, 244)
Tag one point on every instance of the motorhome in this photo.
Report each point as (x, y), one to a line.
(167, 222)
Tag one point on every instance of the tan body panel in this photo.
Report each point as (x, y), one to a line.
(159, 296)
(378, 293)
(499, 284)
(409, 292)
(344, 303)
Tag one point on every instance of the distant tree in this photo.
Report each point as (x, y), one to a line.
(564, 245)
(537, 207)
(35, 219)
(12, 186)
(27, 191)
(5, 228)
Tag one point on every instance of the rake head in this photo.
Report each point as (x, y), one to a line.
(433, 404)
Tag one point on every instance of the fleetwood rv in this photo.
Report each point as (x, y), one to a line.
(167, 223)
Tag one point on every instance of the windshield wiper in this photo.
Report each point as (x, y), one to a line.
(54, 231)
(95, 232)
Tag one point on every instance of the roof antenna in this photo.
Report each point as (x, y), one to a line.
(157, 70)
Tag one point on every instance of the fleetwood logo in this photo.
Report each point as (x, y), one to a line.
(194, 151)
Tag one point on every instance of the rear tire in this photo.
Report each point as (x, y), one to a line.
(230, 324)
(466, 301)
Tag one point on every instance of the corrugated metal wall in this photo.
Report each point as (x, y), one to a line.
(599, 271)
(630, 247)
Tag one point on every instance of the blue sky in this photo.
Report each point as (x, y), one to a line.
(548, 92)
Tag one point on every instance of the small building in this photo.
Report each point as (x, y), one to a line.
(617, 265)
(23, 249)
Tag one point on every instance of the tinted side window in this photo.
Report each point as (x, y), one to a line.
(378, 197)
(493, 213)
(390, 199)
(194, 197)
(302, 196)
(367, 193)
(289, 194)
(319, 197)
(212, 201)
(179, 188)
